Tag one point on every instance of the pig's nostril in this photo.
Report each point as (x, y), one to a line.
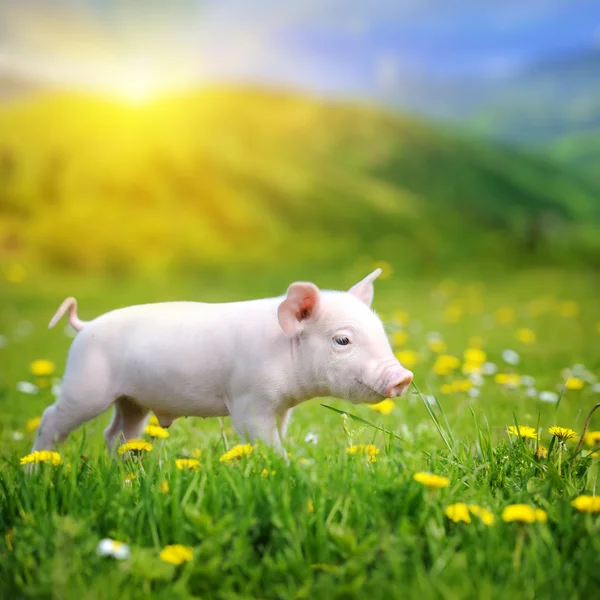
(400, 385)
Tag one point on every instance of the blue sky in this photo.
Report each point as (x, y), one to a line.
(327, 45)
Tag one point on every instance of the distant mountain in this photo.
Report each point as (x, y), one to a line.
(229, 174)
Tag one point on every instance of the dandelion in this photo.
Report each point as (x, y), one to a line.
(399, 338)
(108, 547)
(541, 452)
(452, 314)
(26, 387)
(265, 473)
(236, 453)
(568, 308)
(42, 456)
(445, 364)
(408, 358)
(438, 346)
(129, 478)
(525, 336)
(138, 446)
(522, 431)
(191, 464)
(475, 356)
(33, 424)
(505, 315)
(523, 513)
(156, 431)
(431, 481)
(588, 504)
(310, 507)
(486, 516)
(446, 388)
(592, 438)
(41, 368)
(153, 420)
(562, 433)
(470, 368)
(196, 453)
(547, 396)
(509, 380)
(176, 554)
(164, 487)
(574, 383)
(510, 357)
(370, 450)
(385, 407)
(458, 512)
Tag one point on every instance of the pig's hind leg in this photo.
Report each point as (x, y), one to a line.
(128, 422)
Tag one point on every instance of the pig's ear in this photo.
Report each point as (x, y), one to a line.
(302, 304)
(363, 290)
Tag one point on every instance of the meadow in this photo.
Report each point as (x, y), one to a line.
(349, 516)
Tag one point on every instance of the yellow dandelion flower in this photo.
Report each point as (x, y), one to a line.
(130, 477)
(446, 388)
(196, 453)
(453, 313)
(176, 554)
(265, 473)
(523, 513)
(191, 464)
(568, 308)
(588, 504)
(236, 453)
(153, 420)
(511, 380)
(523, 431)
(156, 431)
(574, 383)
(41, 368)
(541, 452)
(408, 358)
(310, 507)
(431, 481)
(385, 407)
(138, 446)
(462, 385)
(42, 456)
(164, 487)
(399, 338)
(471, 368)
(437, 346)
(592, 438)
(505, 315)
(445, 364)
(370, 450)
(33, 424)
(562, 433)
(525, 336)
(486, 516)
(458, 512)
(475, 356)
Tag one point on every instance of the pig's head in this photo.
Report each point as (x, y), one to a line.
(340, 347)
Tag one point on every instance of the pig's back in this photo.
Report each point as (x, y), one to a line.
(184, 351)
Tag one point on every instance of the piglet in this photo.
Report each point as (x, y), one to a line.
(253, 361)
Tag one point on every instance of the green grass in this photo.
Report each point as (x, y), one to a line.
(374, 532)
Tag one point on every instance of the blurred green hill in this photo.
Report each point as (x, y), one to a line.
(233, 176)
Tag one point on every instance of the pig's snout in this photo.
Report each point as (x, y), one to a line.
(398, 382)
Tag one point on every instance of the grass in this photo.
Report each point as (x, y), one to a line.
(329, 524)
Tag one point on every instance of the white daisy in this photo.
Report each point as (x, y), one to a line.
(547, 396)
(27, 387)
(311, 438)
(473, 392)
(489, 368)
(527, 381)
(531, 392)
(108, 547)
(510, 357)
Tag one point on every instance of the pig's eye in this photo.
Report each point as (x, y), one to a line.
(342, 340)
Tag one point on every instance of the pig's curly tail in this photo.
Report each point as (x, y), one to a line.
(69, 304)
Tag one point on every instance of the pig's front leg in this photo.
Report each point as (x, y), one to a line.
(256, 421)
